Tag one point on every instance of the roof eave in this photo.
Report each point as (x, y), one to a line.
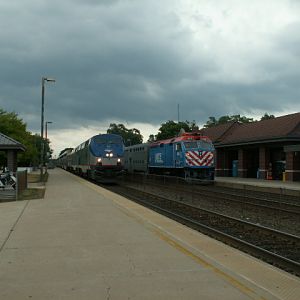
(255, 142)
(12, 147)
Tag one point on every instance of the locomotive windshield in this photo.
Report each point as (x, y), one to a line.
(108, 140)
(190, 145)
(205, 145)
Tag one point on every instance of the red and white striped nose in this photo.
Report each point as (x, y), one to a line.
(199, 158)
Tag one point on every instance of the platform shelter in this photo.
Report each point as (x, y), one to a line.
(11, 147)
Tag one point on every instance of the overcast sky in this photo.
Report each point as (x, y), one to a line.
(134, 61)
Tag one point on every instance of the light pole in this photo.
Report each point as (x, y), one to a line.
(46, 130)
(42, 122)
(46, 139)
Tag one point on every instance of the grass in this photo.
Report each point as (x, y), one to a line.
(35, 177)
(32, 192)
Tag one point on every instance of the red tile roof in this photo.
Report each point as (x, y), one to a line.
(217, 132)
(285, 127)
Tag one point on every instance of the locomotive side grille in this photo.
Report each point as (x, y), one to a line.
(199, 158)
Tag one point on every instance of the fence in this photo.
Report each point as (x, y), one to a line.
(8, 193)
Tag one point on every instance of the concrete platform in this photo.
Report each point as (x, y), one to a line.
(273, 186)
(83, 242)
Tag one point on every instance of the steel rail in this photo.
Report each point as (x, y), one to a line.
(244, 245)
(212, 194)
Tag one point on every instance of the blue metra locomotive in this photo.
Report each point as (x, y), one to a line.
(190, 156)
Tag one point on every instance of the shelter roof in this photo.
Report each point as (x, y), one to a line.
(7, 143)
(281, 128)
(216, 133)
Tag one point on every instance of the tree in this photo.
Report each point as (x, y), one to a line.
(226, 119)
(130, 136)
(171, 129)
(267, 117)
(151, 138)
(14, 127)
(212, 121)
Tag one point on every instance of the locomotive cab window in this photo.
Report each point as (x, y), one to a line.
(108, 140)
(178, 147)
(190, 145)
(205, 145)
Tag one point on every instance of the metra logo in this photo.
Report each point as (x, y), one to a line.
(158, 158)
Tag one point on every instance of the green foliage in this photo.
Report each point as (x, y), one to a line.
(267, 117)
(130, 136)
(14, 127)
(151, 138)
(171, 129)
(212, 121)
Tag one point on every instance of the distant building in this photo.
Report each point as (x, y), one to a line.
(268, 149)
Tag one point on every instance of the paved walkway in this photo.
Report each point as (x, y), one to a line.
(82, 242)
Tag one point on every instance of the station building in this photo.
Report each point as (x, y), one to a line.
(268, 149)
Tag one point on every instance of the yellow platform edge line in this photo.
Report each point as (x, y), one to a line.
(161, 234)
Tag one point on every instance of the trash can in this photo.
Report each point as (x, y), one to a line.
(235, 168)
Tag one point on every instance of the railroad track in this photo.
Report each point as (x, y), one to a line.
(217, 194)
(286, 220)
(273, 246)
(270, 201)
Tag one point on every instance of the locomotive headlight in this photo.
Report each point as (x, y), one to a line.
(119, 160)
(111, 155)
(99, 160)
(107, 154)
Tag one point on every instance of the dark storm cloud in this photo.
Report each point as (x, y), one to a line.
(134, 61)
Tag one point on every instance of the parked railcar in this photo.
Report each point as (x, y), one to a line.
(136, 158)
(100, 158)
(189, 155)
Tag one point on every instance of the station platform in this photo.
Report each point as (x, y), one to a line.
(84, 242)
(272, 186)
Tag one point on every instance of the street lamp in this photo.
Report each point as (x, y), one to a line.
(42, 122)
(46, 140)
(46, 131)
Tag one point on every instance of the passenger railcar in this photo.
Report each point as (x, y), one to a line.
(189, 155)
(64, 160)
(136, 158)
(100, 158)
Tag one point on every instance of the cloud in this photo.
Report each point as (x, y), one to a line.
(134, 61)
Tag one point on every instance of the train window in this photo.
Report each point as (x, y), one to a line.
(178, 147)
(190, 145)
(204, 145)
(108, 139)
